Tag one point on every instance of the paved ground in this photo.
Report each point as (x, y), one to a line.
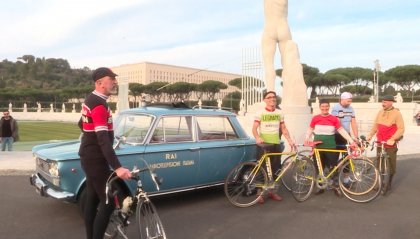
(207, 214)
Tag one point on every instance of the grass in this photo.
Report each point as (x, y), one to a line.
(32, 133)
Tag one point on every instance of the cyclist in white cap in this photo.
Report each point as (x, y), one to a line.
(346, 114)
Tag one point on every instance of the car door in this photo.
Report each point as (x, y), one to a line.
(220, 148)
(173, 153)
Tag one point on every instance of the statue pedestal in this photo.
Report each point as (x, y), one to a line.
(297, 119)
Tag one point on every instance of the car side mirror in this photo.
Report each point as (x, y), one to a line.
(120, 140)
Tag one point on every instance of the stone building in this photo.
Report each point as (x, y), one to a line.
(148, 72)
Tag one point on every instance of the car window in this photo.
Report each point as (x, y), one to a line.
(172, 129)
(215, 128)
(133, 127)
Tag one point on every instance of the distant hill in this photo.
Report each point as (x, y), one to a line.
(42, 79)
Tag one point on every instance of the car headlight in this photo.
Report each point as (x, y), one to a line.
(53, 170)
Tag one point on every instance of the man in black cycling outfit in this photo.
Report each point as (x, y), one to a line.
(97, 155)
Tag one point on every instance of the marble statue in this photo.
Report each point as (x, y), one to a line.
(39, 107)
(398, 98)
(25, 107)
(74, 109)
(63, 108)
(200, 103)
(10, 107)
(276, 33)
(219, 103)
(294, 97)
(51, 108)
(371, 99)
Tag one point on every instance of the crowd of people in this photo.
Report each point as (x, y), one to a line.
(335, 130)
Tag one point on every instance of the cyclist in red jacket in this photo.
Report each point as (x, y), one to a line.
(97, 154)
(388, 127)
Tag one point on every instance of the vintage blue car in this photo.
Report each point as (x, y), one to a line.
(188, 148)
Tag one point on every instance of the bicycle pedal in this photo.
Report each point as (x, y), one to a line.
(271, 186)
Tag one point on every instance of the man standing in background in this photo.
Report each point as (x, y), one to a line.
(8, 131)
(388, 127)
(345, 113)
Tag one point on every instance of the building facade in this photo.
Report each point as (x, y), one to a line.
(148, 72)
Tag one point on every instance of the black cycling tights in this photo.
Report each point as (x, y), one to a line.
(97, 218)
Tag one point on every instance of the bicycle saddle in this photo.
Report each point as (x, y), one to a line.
(313, 143)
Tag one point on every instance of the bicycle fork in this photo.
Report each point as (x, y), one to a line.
(321, 179)
(253, 174)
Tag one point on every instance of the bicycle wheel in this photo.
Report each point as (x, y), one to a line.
(359, 180)
(287, 179)
(242, 187)
(385, 171)
(303, 172)
(148, 221)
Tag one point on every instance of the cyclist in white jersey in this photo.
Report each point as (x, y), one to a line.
(267, 128)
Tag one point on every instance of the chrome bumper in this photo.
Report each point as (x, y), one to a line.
(44, 190)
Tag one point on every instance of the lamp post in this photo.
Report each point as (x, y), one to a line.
(376, 79)
(412, 94)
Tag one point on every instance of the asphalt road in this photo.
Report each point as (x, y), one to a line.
(207, 214)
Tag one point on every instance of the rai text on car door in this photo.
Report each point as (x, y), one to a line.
(171, 151)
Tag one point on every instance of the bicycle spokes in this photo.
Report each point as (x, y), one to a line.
(244, 184)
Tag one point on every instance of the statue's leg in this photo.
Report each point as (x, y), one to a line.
(282, 50)
(268, 46)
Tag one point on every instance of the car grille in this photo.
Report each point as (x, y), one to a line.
(42, 165)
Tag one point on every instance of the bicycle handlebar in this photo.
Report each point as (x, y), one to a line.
(363, 138)
(135, 176)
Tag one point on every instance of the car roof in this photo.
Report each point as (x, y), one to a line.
(174, 109)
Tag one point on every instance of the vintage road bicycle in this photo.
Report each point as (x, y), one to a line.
(358, 178)
(148, 221)
(382, 162)
(249, 181)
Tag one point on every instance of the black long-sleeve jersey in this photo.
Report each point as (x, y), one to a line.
(98, 134)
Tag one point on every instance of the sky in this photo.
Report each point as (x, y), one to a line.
(208, 34)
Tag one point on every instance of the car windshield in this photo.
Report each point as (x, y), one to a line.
(133, 127)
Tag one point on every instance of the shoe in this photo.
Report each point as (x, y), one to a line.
(386, 190)
(321, 191)
(261, 200)
(337, 192)
(275, 196)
